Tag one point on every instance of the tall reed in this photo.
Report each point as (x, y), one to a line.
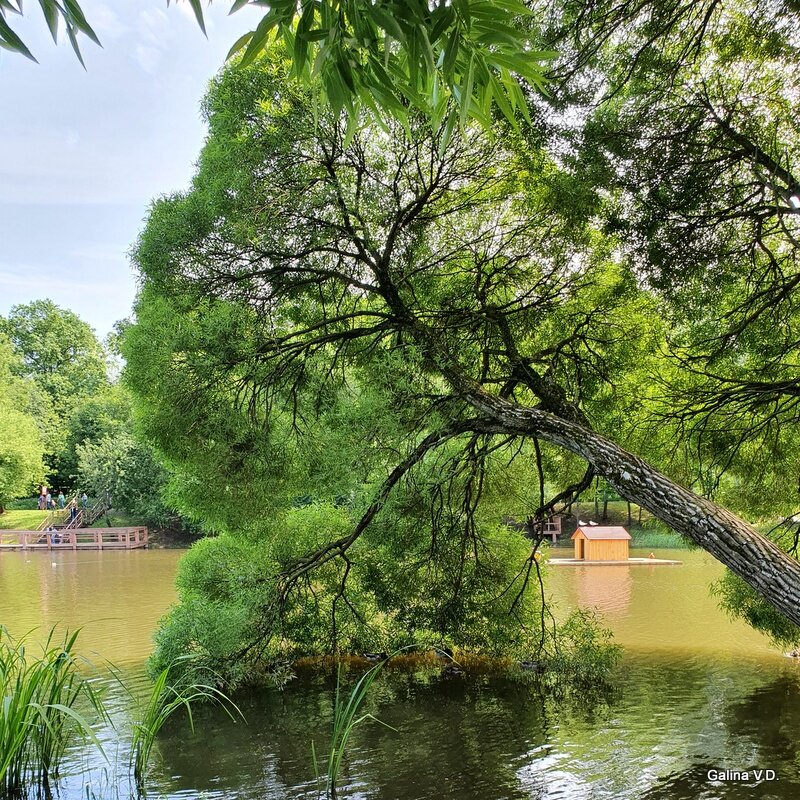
(39, 695)
(162, 702)
(344, 721)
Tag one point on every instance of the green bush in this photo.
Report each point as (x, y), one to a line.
(582, 654)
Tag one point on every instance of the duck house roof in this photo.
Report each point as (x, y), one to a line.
(602, 532)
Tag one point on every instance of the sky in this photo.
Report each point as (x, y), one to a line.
(84, 152)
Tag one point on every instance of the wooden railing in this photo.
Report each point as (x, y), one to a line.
(83, 517)
(552, 528)
(56, 517)
(75, 539)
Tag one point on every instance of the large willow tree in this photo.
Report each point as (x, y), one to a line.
(319, 323)
(427, 334)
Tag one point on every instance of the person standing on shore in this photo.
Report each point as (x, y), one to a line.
(62, 501)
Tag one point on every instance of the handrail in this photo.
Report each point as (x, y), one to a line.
(127, 538)
(96, 511)
(57, 516)
(86, 516)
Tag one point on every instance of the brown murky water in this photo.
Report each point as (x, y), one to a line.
(695, 692)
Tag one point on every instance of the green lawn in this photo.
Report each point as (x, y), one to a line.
(21, 520)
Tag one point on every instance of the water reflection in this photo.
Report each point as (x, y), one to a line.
(606, 588)
(695, 692)
(117, 598)
(754, 731)
(656, 737)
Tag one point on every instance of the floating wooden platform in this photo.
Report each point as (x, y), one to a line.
(75, 539)
(581, 562)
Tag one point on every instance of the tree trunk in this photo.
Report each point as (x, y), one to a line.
(596, 498)
(640, 516)
(604, 518)
(630, 518)
(758, 561)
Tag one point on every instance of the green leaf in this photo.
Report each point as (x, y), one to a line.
(239, 44)
(198, 13)
(451, 52)
(259, 37)
(5, 4)
(75, 16)
(300, 40)
(427, 50)
(447, 134)
(387, 23)
(466, 93)
(499, 91)
(11, 41)
(51, 15)
(73, 40)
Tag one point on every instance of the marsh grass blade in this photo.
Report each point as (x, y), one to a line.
(345, 719)
(162, 702)
(40, 693)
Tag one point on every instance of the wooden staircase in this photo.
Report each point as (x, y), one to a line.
(60, 518)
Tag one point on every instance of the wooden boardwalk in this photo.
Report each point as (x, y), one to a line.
(75, 539)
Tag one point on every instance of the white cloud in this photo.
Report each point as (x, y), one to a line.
(154, 27)
(148, 58)
(106, 24)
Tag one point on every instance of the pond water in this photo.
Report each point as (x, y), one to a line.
(695, 692)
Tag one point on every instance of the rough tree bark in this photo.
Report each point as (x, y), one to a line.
(758, 561)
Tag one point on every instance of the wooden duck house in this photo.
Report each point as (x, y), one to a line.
(601, 543)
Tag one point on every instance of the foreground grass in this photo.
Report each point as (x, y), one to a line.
(39, 698)
(41, 692)
(21, 520)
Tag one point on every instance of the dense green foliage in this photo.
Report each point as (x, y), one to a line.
(124, 472)
(64, 365)
(453, 61)
(344, 321)
(58, 404)
(282, 402)
(21, 446)
(58, 350)
(695, 149)
(626, 264)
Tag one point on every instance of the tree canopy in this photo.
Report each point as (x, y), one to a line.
(386, 326)
(64, 363)
(355, 317)
(21, 447)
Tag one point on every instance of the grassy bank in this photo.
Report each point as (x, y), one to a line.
(21, 520)
(663, 539)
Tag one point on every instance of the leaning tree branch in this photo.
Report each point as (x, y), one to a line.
(755, 559)
(340, 546)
